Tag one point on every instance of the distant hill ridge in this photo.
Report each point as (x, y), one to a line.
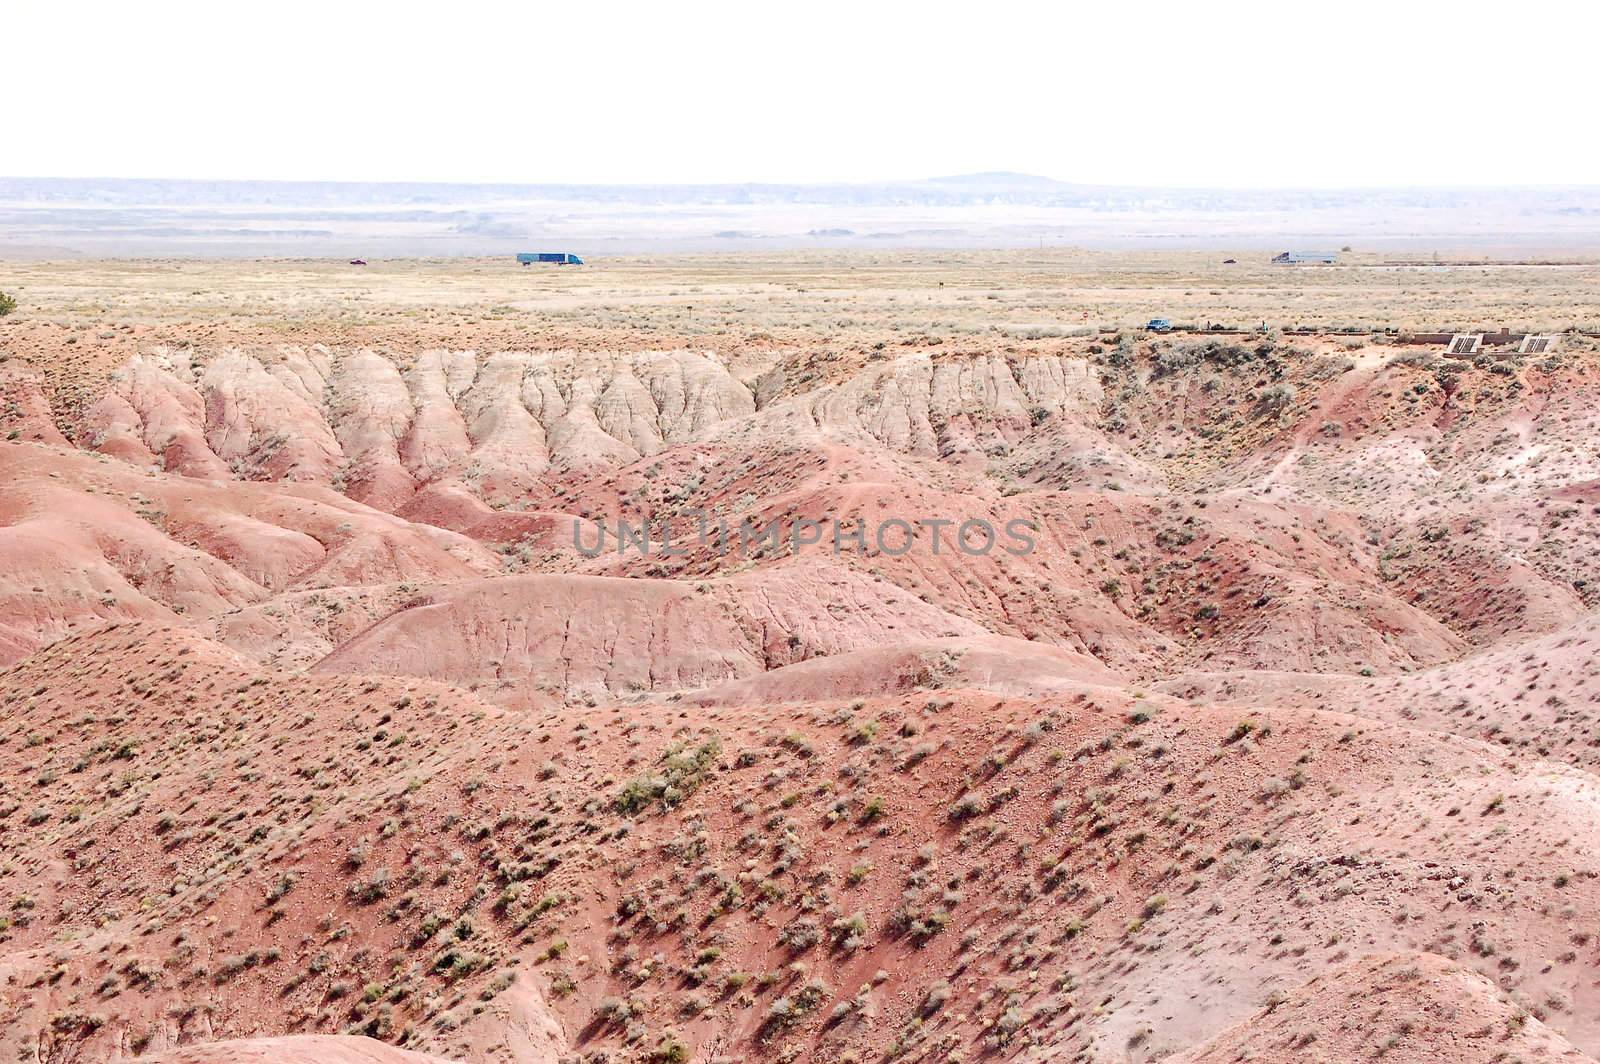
(1000, 187)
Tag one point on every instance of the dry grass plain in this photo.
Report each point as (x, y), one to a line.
(739, 298)
(821, 302)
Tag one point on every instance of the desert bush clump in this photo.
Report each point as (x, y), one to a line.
(967, 807)
(670, 1050)
(682, 770)
(788, 1010)
(850, 932)
(1278, 396)
(800, 935)
(614, 1011)
(370, 890)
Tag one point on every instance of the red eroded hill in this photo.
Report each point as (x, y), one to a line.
(323, 738)
(301, 1049)
(394, 859)
(1403, 1007)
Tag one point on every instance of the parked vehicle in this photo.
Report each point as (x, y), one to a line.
(1159, 325)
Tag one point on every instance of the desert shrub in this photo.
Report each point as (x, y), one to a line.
(1278, 396)
(967, 807)
(670, 1050)
(1326, 367)
(614, 1010)
(850, 932)
(682, 770)
(370, 890)
(7, 304)
(788, 1010)
(1421, 358)
(800, 935)
(1214, 352)
(1177, 359)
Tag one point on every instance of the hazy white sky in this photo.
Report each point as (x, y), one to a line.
(1201, 94)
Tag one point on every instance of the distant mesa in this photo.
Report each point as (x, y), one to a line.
(394, 220)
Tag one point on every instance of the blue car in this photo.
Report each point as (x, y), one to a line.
(1158, 325)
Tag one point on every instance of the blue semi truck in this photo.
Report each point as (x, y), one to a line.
(560, 258)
